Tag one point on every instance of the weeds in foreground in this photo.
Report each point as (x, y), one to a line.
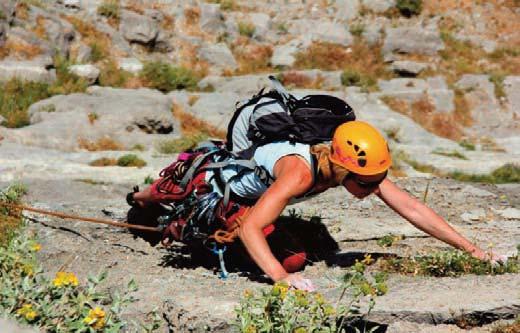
(62, 304)
(15, 98)
(389, 240)
(10, 219)
(131, 160)
(281, 309)
(165, 77)
(450, 263)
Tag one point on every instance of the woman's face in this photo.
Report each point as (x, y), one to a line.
(361, 186)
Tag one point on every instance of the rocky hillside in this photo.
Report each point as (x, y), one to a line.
(90, 86)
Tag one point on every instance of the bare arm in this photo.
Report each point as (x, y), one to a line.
(293, 178)
(424, 218)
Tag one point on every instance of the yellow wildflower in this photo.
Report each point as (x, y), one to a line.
(95, 318)
(27, 312)
(65, 279)
(28, 270)
(329, 310)
(250, 329)
(36, 247)
(367, 260)
(319, 298)
(300, 330)
(280, 289)
(248, 293)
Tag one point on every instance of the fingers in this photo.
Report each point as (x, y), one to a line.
(299, 282)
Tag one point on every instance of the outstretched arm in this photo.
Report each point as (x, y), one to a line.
(293, 178)
(424, 218)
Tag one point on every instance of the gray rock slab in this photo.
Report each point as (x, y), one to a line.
(11, 326)
(406, 67)
(285, 55)
(219, 56)
(413, 39)
(262, 24)
(89, 72)
(512, 90)
(322, 31)
(84, 53)
(378, 6)
(8, 7)
(138, 28)
(26, 70)
(244, 86)
(473, 216)
(347, 9)
(215, 108)
(509, 213)
(211, 18)
(373, 30)
(131, 65)
(127, 116)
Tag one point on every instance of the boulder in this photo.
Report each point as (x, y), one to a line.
(262, 23)
(89, 72)
(378, 6)
(131, 65)
(284, 55)
(138, 28)
(346, 9)
(322, 31)
(413, 39)
(408, 68)
(26, 70)
(219, 56)
(127, 116)
(211, 18)
(512, 90)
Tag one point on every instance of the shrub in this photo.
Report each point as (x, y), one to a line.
(130, 160)
(246, 29)
(104, 143)
(357, 29)
(174, 146)
(66, 82)
(63, 304)
(467, 145)
(508, 173)
(111, 76)
(448, 263)
(10, 219)
(164, 77)
(351, 77)
(15, 98)
(148, 180)
(103, 161)
(409, 8)
(389, 240)
(281, 309)
(99, 42)
(110, 9)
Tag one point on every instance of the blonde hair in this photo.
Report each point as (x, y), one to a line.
(327, 171)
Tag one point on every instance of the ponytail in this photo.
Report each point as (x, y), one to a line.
(327, 171)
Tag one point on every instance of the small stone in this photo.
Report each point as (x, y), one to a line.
(509, 213)
(88, 72)
(473, 216)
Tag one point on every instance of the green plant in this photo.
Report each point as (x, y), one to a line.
(62, 304)
(281, 309)
(226, 4)
(164, 77)
(467, 145)
(174, 146)
(246, 29)
(66, 82)
(357, 29)
(138, 147)
(282, 27)
(409, 8)
(448, 263)
(112, 76)
(508, 173)
(97, 52)
(15, 98)
(452, 153)
(103, 161)
(498, 80)
(148, 180)
(351, 77)
(109, 9)
(130, 160)
(10, 218)
(389, 240)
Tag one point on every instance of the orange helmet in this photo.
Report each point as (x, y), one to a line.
(360, 148)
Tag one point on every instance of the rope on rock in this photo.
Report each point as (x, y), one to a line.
(80, 218)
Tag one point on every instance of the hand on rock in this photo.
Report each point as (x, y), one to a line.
(299, 282)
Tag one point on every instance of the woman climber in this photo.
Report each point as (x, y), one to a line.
(357, 158)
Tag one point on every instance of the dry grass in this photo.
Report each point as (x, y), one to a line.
(22, 10)
(462, 111)
(39, 30)
(251, 57)
(293, 79)
(192, 15)
(423, 112)
(192, 99)
(359, 58)
(19, 49)
(92, 37)
(100, 144)
(191, 125)
(104, 161)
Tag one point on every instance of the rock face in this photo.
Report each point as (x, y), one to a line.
(219, 56)
(131, 65)
(285, 55)
(408, 68)
(379, 6)
(127, 117)
(211, 18)
(512, 90)
(414, 39)
(138, 28)
(11, 326)
(26, 70)
(322, 31)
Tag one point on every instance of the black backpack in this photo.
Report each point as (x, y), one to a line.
(278, 115)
